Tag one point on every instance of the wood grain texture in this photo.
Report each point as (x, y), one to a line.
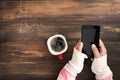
(25, 26)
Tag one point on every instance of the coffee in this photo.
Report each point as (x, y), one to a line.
(57, 44)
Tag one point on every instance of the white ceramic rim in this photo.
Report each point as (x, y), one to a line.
(49, 47)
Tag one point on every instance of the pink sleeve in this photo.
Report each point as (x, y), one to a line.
(109, 77)
(66, 75)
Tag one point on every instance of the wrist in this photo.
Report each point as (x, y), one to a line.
(102, 75)
(71, 69)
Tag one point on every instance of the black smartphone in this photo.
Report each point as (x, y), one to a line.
(90, 35)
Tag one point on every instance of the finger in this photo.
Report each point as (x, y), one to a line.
(92, 59)
(95, 51)
(102, 47)
(79, 46)
(85, 56)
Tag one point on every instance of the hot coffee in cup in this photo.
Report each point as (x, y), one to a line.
(57, 44)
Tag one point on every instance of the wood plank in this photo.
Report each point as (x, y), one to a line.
(53, 8)
(39, 71)
(24, 33)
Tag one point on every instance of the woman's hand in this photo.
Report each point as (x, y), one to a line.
(99, 65)
(77, 61)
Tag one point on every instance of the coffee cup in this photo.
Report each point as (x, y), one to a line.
(57, 44)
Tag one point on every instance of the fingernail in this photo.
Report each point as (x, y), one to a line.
(93, 45)
(81, 43)
(100, 40)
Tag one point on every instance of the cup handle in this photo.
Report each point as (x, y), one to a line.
(60, 56)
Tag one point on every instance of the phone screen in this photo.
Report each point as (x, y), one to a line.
(90, 35)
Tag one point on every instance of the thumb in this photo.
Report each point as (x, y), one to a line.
(84, 56)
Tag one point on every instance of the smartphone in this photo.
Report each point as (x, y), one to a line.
(90, 35)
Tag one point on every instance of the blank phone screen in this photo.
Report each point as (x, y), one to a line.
(90, 35)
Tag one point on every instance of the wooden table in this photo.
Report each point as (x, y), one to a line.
(25, 26)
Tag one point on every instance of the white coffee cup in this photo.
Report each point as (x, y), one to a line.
(49, 44)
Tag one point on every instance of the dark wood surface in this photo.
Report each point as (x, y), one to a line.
(25, 26)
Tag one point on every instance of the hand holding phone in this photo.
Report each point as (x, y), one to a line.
(90, 35)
